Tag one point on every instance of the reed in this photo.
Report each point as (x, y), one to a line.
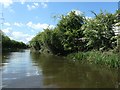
(109, 59)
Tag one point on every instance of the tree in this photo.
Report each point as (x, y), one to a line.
(70, 28)
(76, 33)
(7, 43)
(99, 31)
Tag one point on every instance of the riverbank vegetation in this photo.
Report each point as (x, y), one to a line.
(10, 45)
(96, 57)
(77, 37)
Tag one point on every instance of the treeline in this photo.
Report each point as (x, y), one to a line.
(7, 43)
(76, 33)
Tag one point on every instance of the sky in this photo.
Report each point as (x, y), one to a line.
(22, 21)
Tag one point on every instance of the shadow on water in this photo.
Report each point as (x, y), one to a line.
(62, 73)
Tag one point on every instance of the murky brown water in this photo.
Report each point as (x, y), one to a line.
(32, 70)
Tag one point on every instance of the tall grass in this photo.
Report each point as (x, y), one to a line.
(104, 58)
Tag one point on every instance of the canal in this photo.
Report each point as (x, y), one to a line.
(22, 69)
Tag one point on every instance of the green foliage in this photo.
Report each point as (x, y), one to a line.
(99, 31)
(49, 41)
(7, 43)
(53, 41)
(75, 33)
(117, 49)
(104, 58)
(70, 27)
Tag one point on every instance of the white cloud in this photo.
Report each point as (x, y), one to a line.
(20, 36)
(18, 24)
(7, 30)
(22, 1)
(29, 38)
(29, 7)
(36, 5)
(44, 5)
(7, 24)
(16, 35)
(77, 12)
(33, 6)
(6, 3)
(39, 26)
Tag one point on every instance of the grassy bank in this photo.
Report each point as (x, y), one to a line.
(109, 59)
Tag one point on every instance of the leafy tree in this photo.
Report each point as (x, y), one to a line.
(7, 43)
(53, 40)
(76, 33)
(70, 27)
(99, 31)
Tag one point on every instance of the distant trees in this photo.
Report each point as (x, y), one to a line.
(75, 33)
(48, 41)
(7, 43)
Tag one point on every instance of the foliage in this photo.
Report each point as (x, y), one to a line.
(7, 43)
(48, 40)
(70, 28)
(98, 31)
(75, 33)
(104, 58)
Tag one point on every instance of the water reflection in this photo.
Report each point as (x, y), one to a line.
(59, 72)
(6, 55)
(18, 70)
(33, 70)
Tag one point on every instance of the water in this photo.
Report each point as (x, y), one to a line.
(32, 70)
